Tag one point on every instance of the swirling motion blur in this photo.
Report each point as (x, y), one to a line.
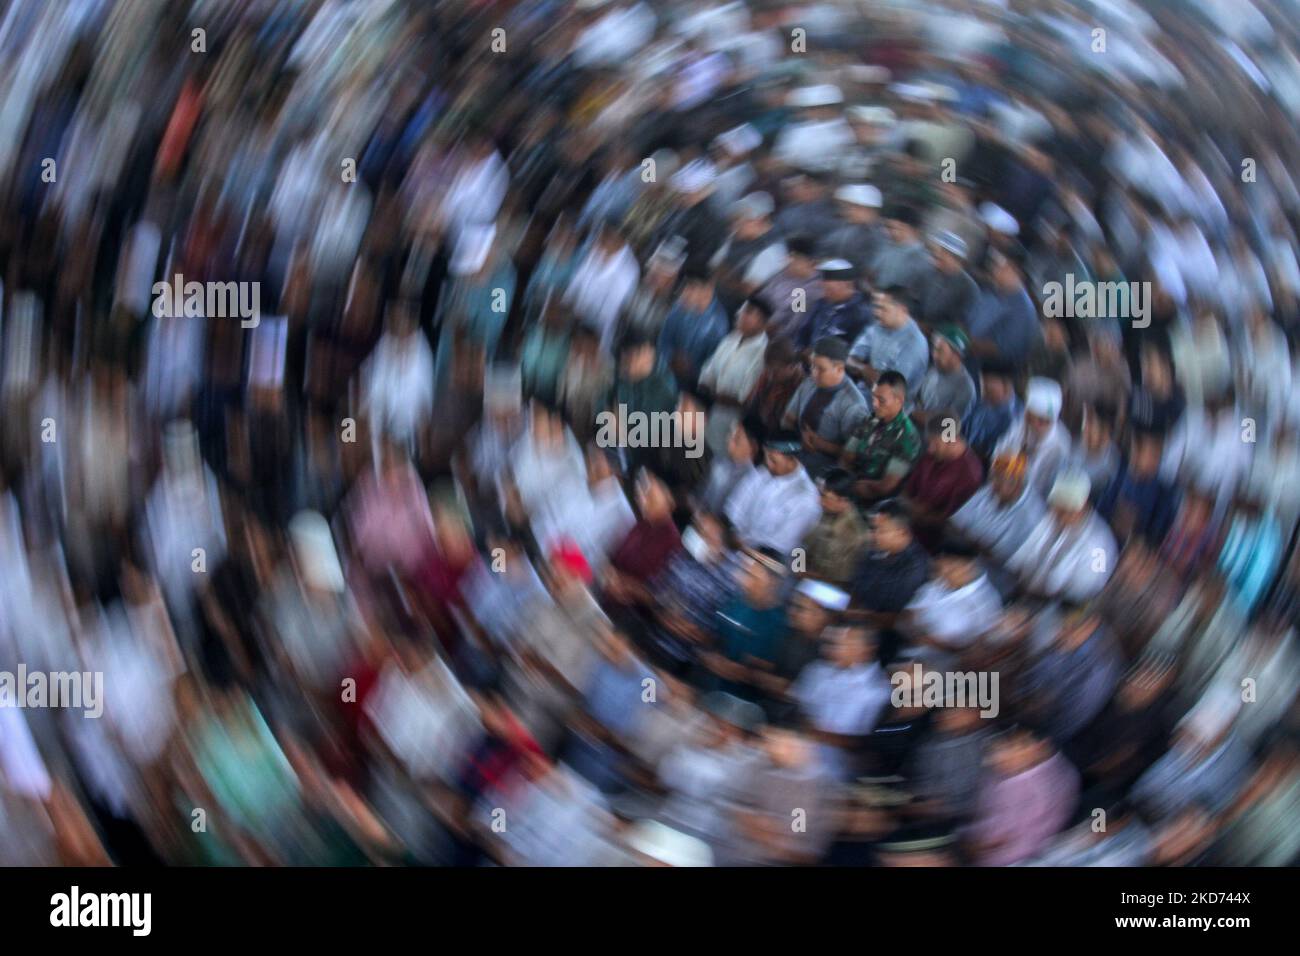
(309, 314)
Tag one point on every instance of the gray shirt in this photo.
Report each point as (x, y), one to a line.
(946, 391)
(903, 350)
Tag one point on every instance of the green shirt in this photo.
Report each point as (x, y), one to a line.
(885, 448)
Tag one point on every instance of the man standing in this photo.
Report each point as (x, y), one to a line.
(1001, 514)
(859, 236)
(893, 343)
(885, 447)
(793, 292)
(776, 505)
(827, 408)
(946, 386)
(843, 311)
(730, 374)
(605, 279)
(944, 478)
(903, 261)
(1003, 321)
(998, 407)
(693, 328)
(1040, 434)
(950, 293)
(1071, 553)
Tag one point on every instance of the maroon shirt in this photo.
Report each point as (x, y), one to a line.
(646, 549)
(944, 486)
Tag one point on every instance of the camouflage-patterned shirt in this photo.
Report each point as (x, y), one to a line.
(883, 448)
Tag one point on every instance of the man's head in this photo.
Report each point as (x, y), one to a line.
(850, 646)
(742, 443)
(1007, 475)
(893, 307)
(889, 395)
(956, 564)
(815, 606)
(836, 487)
(948, 251)
(901, 224)
(997, 382)
(1042, 408)
(1098, 426)
(839, 279)
(636, 356)
(761, 577)
(751, 319)
(653, 499)
(829, 356)
(1005, 268)
(1068, 498)
(943, 437)
(751, 216)
(858, 204)
(609, 237)
(891, 528)
(801, 254)
(948, 348)
(697, 289)
(1146, 448)
(780, 453)
(803, 187)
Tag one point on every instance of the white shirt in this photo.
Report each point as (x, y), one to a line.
(956, 617)
(398, 385)
(1071, 563)
(600, 287)
(819, 144)
(595, 521)
(842, 700)
(768, 511)
(1046, 458)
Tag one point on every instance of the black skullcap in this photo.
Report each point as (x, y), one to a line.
(832, 348)
(838, 481)
(904, 214)
(783, 441)
(801, 245)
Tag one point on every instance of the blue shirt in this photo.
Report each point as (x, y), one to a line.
(985, 424)
(1008, 321)
(844, 320)
(696, 334)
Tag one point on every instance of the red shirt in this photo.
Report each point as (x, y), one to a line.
(944, 486)
(646, 549)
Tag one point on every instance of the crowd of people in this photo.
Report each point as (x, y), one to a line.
(368, 584)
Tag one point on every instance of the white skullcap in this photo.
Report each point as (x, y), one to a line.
(831, 598)
(807, 97)
(860, 194)
(666, 845)
(313, 547)
(739, 141)
(754, 206)
(1043, 398)
(694, 177)
(670, 254)
(913, 92)
(472, 248)
(951, 242)
(1070, 490)
(873, 115)
(868, 73)
(998, 219)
